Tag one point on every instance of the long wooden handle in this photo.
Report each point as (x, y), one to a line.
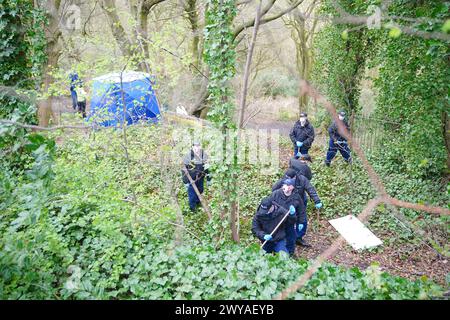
(202, 200)
(276, 228)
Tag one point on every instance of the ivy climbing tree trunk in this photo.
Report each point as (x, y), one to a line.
(446, 133)
(220, 58)
(199, 108)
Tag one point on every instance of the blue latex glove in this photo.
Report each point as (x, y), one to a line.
(267, 237)
(187, 185)
(299, 143)
(291, 210)
(319, 205)
(300, 227)
(299, 154)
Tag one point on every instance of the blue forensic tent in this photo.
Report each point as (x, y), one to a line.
(107, 100)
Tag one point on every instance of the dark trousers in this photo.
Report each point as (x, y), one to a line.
(333, 149)
(192, 195)
(73, 93)
(278, 246)
(82, 108)
(302, 149)
(301, 233)
(291, 237)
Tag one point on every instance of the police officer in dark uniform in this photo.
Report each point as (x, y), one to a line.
(266, 219)
(302, 135)
(337, 141)
(195, 162)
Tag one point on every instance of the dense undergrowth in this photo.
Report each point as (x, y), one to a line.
(71, 231)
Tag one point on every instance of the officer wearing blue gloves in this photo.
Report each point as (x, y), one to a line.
(287, 198)
(195, 162)
(303, 186)
(302, 135)
(337, 141)
(267, 217)
(300, 165)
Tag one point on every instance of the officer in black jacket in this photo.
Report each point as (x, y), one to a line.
(302, 135)
(300, 165)
(267, 217)
(288, 198)
(337, 141)
(303, 185)
(195, 162)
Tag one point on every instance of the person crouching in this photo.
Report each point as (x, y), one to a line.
(288, 198)
(266, 219)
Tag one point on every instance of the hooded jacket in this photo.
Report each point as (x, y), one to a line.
(300, 167)
(267, 218)
(334, 133)
(302, 184)
(284, 201)
(304, 134)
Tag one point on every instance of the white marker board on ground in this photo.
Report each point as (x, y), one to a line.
(355, 232)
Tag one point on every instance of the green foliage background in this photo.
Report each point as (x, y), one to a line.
(412, 81)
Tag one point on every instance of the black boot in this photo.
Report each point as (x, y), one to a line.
(303, 243)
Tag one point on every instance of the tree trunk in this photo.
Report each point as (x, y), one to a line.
(446, 133)
(110, 10)
(233, 218)
(53, 51)
(191, 10)
(200, 109)
(248, 63)
(143, 25)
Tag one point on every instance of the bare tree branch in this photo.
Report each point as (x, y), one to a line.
(39, 128)
(238, 29)
(117, 29)
(247, 66)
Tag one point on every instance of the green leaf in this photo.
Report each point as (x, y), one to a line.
(446, 27)
(395, 32)
(344, 34)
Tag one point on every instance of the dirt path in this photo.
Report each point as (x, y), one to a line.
(408, 261)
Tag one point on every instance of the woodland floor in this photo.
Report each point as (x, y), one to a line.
(408, 261)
